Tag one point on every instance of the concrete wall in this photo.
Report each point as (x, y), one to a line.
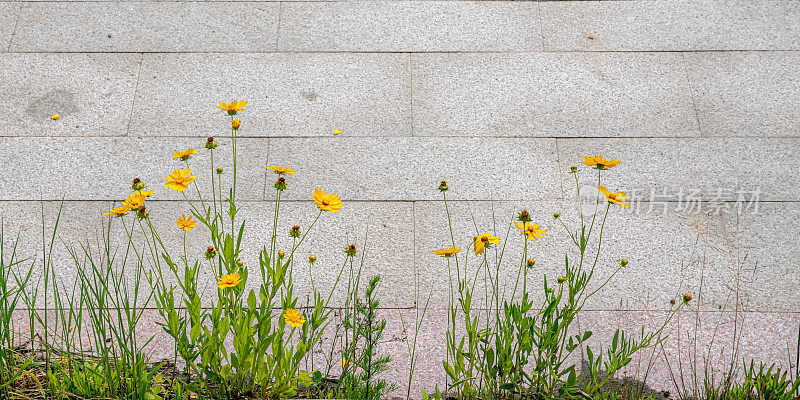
(699, 99)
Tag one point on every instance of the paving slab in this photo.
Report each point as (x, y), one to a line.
(768, 262)
(388, 251)
(8, 19)
(746, 94)
(388, 228)
(147, 27)
(413, 26)
(669, 25)
(723, 339)
(288, 94)
(102, 168)
(691, 170)
(92, 93)
(411, 168)
(668, 252)
(549, 94)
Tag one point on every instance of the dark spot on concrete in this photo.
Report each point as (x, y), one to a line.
(309, 95)
(109, 36)
(56, 101)
(591, 37)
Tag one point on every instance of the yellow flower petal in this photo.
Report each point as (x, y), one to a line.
(615, 198)
(233, 107)
(326, 202)
(447, 252)
(229, 281)
(179, 179)
(187, 224)
(281, 170)
(294, 318)
(599, 162)
(484, 241)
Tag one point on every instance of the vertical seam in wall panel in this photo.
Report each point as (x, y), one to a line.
(541, 25)
(264, 182)
(691, 93)
(411, 90)
(414, 247)
(558, 170)
(278, 32)
(16, 22)
(135, 91)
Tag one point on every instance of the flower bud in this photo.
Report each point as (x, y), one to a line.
(295, 231)
(211, 252)
(687, 297)
(556, 215)
(281, 254)
(239, 263)
(235, 124)
(573, 169)
(211, 143)
(312, 259)
(531, 262)
(350, 250)
(137, 185)
(142, 212)
(524, 216)
(443, 186)
(219, 171)
(280, 184)
(561, 279)
(623, 262)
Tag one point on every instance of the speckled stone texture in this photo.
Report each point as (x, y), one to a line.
(697, 98)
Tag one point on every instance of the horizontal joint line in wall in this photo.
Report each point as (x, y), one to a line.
(184, 52)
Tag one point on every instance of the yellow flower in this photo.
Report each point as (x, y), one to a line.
(233, 107)
(186, 223)
(337, 132)
(326, 202)
(184, 155)
(533, 231)
(281, 170)
(599, 162)
(448, 252)
(179, 179)
(136, 200)
(345, 363)
(229, 281)
(294, 317)
(235, 124)
(484, 241)
(616, 198)
(55, 117)
(117, 212)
